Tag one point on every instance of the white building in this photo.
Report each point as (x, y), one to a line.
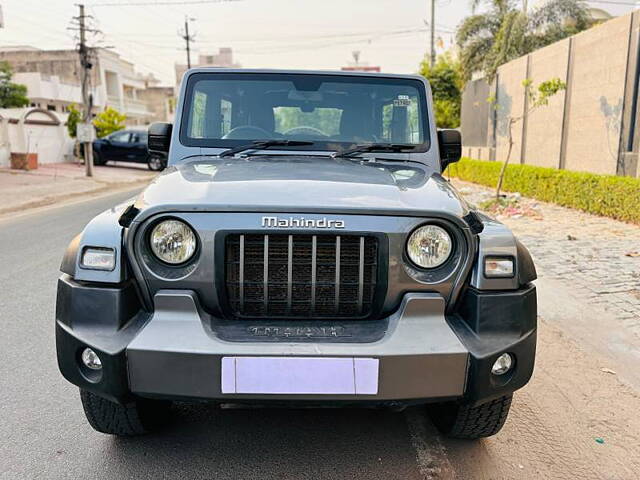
(52, 80)
(222, 59)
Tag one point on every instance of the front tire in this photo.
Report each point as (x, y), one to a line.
(98, 159)
(136, 418)
(469, 422)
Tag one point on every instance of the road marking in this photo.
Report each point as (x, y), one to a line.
(431, 456)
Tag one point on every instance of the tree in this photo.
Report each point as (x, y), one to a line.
(446, 86)
(504, 32)
(11, 94)
(73, 119)
(109, 121)
(536, 97)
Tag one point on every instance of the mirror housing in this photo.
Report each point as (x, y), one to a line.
(450, 145)
(159, 137)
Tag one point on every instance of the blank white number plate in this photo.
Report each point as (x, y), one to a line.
(300, 375)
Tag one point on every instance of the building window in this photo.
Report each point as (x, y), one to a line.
(51, 108)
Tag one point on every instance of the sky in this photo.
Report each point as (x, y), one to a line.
(305, 34)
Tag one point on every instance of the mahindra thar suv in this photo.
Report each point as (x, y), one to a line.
(301, 248)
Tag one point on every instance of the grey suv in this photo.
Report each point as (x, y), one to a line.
(302, 248)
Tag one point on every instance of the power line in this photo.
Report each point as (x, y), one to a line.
(615, 2)
(160, 3)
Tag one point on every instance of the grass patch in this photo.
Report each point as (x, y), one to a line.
(606, 195)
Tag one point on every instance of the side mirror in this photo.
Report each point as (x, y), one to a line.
(450, 145)
(159, 137)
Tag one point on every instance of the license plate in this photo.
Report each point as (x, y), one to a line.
(300, 375)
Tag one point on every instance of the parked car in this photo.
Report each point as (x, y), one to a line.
(303, 248)
(127, 146)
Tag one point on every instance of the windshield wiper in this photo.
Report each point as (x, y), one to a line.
(375, 147)
(263, 144)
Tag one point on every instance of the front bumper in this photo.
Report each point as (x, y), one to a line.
(177, 352)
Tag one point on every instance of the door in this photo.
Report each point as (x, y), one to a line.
(117, 148)
(139, 147)
(46, 141)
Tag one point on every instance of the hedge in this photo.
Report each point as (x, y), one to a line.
(607, 195)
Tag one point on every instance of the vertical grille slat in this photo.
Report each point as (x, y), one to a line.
(361, 274)
(314, 260)
(337, 300)
(289, 272)
(265, 273)
(300, 275)
(241, 273)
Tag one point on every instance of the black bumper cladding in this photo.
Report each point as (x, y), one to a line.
(424, 356)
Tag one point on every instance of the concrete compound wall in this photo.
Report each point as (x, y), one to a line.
(593, 126)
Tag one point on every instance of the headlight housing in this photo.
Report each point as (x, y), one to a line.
(173, 242)
(429, 246)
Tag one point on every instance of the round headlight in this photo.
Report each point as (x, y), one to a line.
(429, 246)
(173, 241)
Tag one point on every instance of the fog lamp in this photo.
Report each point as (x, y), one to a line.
(502, 364)
(498, 267)
(96, 258)
(91, 359)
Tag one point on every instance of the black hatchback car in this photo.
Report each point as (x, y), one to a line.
(127, 146)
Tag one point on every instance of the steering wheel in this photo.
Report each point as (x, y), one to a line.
(247, 132)
(308, 131)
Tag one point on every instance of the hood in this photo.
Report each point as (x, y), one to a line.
(299, 184)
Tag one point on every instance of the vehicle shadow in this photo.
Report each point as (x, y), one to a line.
(203, 441)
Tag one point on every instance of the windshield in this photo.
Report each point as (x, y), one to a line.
(332, 111)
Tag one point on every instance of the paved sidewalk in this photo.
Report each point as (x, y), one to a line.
(52, 183)
(597, 257)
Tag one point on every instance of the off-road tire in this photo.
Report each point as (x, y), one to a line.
(136, 418)
(469, 422)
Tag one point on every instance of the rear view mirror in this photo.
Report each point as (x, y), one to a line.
(159, 137)
(450, 145)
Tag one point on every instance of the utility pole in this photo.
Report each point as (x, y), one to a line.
(87, 98)
(524, 6)
(433, 33)
(188, 39)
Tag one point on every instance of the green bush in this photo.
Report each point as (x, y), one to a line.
(607, 195)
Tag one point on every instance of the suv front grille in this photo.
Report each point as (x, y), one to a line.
(301, 276)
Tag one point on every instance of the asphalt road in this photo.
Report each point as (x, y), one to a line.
(43, 432)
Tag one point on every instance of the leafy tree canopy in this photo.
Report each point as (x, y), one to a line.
(503, 33)
(109, 121)
(445, 79)
(12, 95)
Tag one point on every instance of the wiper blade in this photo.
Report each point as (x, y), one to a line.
(263, 144)
(375, 147)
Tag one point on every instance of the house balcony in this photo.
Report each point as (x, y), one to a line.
(131, 107)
